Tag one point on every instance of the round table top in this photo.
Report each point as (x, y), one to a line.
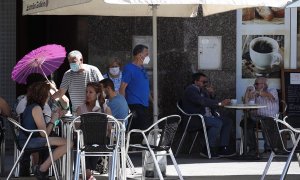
(245, 106)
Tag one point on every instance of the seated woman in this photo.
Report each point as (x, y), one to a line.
(37, 96)
(95, 102)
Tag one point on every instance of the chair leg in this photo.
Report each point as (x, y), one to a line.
(242, 142)
(298, 158)
(193, 142)
(16, 163)
(77, 166)
(175, 164)
(267, 166)
(288, 162)
(130, 165)
(83, 169)
(206, 141)
(180, 144)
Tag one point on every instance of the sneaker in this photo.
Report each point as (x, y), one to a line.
(213, 153)
(40, 175)
(225, 152)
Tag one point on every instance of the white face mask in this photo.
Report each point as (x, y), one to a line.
(146, 60)
(114, 71)
(74, 67)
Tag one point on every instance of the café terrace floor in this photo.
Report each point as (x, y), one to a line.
(196, 167)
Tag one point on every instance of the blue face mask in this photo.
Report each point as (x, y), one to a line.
(74, 67)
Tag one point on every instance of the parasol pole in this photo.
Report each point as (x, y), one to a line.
(154, 48)
(45, 75)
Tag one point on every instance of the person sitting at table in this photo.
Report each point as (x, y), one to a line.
(199, 98)
(116, 102)
(94, 102)
(37, 96)
(261, 94)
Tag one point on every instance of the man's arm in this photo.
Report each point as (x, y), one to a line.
(192, 94)
(59, 94)
(271, 95)
(123, 88)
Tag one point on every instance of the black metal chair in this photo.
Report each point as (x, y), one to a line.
(258, 131)
(92, 140)
(274, 130)
(191, 117)
(162, 133)
(21, 149)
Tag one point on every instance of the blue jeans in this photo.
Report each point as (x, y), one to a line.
(218, 127)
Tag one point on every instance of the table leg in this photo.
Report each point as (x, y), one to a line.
(246, 116)
(69, 153)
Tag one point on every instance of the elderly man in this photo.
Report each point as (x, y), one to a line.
(199, 99)
(76, 79)
(261, 95)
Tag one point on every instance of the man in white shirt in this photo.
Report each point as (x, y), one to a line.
(261, 94)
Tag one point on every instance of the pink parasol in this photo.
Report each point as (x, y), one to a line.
(44, 60)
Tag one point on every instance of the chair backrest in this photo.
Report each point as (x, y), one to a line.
(179, 107)
(14, 127)
(271, 130)
(94, 128)
(169, 126)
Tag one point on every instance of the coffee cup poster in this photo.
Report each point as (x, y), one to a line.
(262, 55)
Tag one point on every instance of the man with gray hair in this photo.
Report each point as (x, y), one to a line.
(76, 79)
(261, 94)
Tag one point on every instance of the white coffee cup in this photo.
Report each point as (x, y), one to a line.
(265, 60)
(251, 102)
(233, 101)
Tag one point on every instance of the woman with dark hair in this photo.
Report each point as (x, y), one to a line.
(95, 102)
(37, 96)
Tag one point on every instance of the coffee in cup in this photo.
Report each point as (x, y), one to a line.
(264, 52)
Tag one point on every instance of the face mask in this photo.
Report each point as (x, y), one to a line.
(74, 67)
(114, 71)
(146, 60)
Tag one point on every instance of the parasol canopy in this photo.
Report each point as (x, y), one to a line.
(44, 60)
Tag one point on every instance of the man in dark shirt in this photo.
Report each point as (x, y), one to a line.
(199, 99)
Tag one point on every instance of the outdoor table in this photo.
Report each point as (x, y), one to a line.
(67, 133)
(246, 108)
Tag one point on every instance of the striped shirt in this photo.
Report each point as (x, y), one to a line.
(75, 83)
(272, 105)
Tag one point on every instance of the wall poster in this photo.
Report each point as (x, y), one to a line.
(262, 55)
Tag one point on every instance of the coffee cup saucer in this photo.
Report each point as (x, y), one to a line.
(252, 71)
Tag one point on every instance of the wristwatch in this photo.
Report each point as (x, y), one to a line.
(219, 104)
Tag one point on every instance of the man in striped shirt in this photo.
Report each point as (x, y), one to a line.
(262, 95)
(76, 79)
